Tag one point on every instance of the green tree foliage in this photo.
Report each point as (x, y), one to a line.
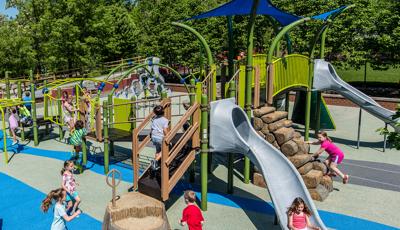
(69, 34)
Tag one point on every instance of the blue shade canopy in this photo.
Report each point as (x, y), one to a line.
(243, 7)
(325, 16)
(265, 7)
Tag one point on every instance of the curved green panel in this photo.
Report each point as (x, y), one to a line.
(290, 71)
(121, 113)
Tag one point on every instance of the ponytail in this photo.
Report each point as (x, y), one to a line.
(55, 194)
(324, 134)
(66, 163)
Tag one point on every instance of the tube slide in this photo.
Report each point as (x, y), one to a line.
(231, 132)
(326, 78)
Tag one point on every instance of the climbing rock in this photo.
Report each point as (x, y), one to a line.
(312, 178)
(283, 134)
(305, 168)
(258, 123)
(320, 193)
(272, 117)
(262, 111)
(270, 137)
(327, 182)
(279, 124)
(289, 148)
(300, 160)
(265, 129)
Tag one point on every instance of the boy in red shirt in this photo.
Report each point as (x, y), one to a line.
(191, 214)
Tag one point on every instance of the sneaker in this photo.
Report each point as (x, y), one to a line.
(154, 165)
(14, 143)
(346, 179)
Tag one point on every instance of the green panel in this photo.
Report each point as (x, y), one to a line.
(290, 71)
(326, 121)
(259, 62)
(199, 86)
(121, 113)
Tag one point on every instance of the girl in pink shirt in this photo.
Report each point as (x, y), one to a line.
(335, 155)
(298, 216)
(13, 123)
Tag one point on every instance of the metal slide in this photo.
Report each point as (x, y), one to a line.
(326, 78)
(231, 132)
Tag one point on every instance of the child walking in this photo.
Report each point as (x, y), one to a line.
(191, 214)
(77, 136)
(335, 155)
(60, 214)
(69, 185)
(159, 128)
(13, 123)
(68, 110)
(298, 216)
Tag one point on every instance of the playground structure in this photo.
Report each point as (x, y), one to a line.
(110, 121)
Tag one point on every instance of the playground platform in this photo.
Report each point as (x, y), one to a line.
(370, 201)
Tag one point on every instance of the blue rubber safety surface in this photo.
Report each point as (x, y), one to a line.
(20, 208)
(27, 199)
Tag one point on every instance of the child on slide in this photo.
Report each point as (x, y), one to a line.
(335, 155)
(298, 216)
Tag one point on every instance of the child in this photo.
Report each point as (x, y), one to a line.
(68, 110)
(159, 128)
(25, 115)
(298, 216)
(335, 155)
(13, 123)
(86, 99)
(60, 214)
(27, 100)
(69, 185)
(191, 214)
(77, 136)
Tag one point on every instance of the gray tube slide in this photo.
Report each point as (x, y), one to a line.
(326, 78)
(231, 132)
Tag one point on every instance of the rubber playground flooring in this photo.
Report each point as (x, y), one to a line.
(362, 204)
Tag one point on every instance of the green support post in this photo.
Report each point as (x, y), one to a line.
(249, 79)
(232, 93)
(204, 151)
(3, 122)
(8, 94)
(46, 107)
(60, 116)
(192, 99)
(84, 153)
(34, 119)
(110, 112)
(21, 126)
(105, 138)
(308, 101)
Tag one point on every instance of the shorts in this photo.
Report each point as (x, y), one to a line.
(337, 159)
(71, 197)
(157, 142)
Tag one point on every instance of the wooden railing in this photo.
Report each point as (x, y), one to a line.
(168, 155)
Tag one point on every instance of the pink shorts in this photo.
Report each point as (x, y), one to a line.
(337, 159)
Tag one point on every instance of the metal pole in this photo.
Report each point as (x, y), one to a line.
(359, 129)
(249, 78)
(385, 138)
(232, 93)
(204, 151)
(192, 98)
(60, 117)
(105, 136)
(3, 122)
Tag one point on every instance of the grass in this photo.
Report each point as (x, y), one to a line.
(391, 75)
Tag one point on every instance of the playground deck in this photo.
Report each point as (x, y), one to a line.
(370, 201)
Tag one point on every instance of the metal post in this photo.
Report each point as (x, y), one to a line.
(35, 127)
(105, 136)
(60, 116)
(110, 112)
(3, 122)
(359, 129)
(204, 151)
(249, 78)
(46, 105)
(192, 98)
(232, 93)
(385, 138)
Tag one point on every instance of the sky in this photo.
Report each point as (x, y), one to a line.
(11, 12)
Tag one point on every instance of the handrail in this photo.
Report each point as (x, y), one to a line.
(182, 142)
(181, 122)
(207, 78)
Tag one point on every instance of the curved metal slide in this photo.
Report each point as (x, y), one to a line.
(231, 132)
(326, 78)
